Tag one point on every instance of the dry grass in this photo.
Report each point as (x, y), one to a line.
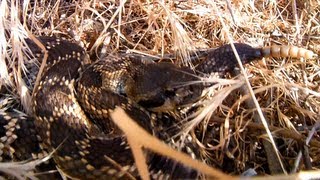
(231, 135)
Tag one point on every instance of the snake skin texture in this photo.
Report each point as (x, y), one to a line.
(72, 102)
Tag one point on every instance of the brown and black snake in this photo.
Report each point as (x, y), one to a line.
(72, 101)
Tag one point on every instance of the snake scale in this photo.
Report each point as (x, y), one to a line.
(72, 101)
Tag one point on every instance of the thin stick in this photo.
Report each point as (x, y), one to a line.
(44, 60)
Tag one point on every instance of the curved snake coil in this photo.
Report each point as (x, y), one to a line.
(67, 117)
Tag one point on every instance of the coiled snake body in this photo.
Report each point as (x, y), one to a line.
(72, 101)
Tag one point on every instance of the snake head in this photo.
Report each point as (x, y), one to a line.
(163, 86)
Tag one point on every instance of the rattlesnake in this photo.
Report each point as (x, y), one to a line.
(72, 100)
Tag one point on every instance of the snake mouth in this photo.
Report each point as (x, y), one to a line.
(160, 102)
(170, 100)
(156, 100)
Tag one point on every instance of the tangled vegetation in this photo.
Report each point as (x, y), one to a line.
(282, 96)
